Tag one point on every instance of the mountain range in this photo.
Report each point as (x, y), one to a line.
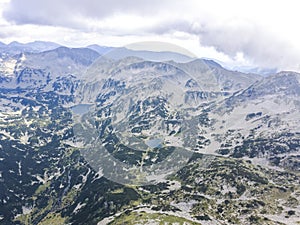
(102, 135)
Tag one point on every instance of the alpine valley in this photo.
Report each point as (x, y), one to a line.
(232, 138)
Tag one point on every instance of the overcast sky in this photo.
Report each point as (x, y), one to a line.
(256, 32)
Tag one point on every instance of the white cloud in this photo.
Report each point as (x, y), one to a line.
(256, 32)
